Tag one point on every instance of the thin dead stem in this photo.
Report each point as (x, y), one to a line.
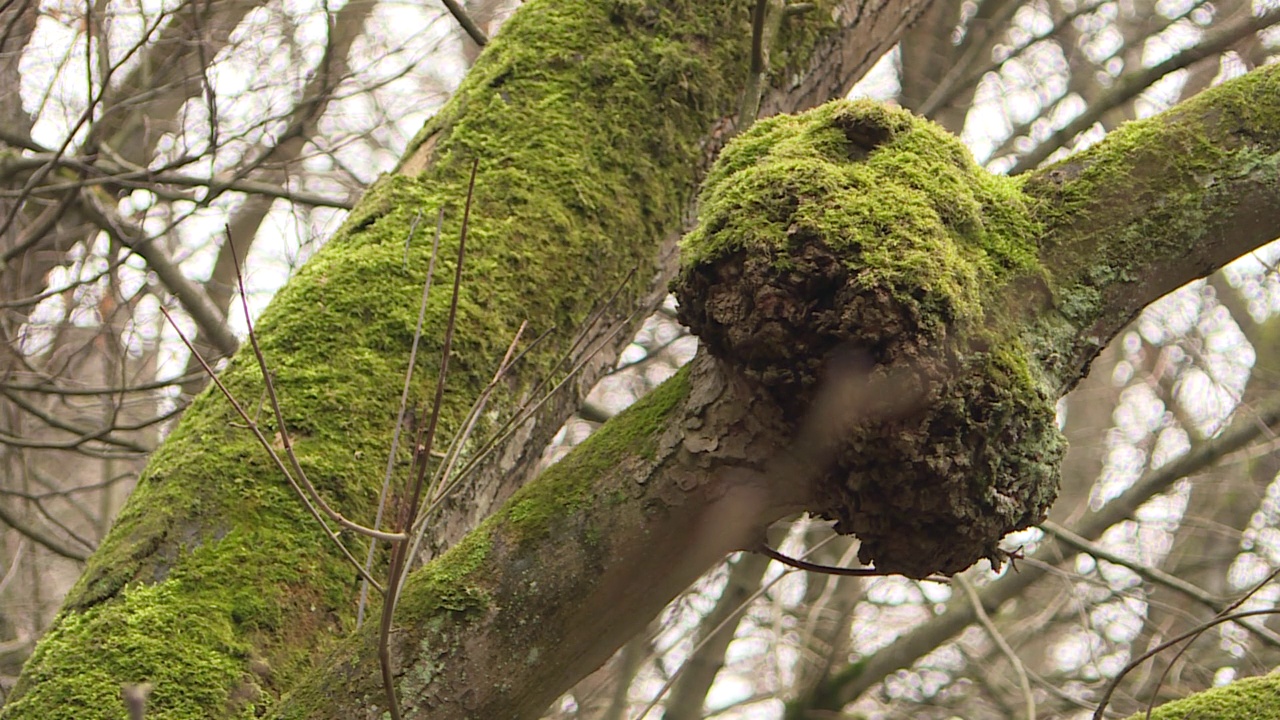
(422, 449)
(404, 400)
(468, 25)
(460, 440)
(508, 429)
(1190, 634)
(510, 426)
(799, 564)
(1242, 600)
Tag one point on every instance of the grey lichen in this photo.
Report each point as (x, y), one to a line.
(857, 264)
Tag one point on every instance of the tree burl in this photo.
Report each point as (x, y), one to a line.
(857, 265)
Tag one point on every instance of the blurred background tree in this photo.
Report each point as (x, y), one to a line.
(136, 138)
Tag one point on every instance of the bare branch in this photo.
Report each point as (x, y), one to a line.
(996, 637)
(473, 31)
(1131, 85)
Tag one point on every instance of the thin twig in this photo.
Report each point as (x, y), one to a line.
(422, 448)
(47, 387)
(1243, 598)
(515, 421)
(1005, 649)
(671, 681)
(951, 85)
(511, 426)
(1151, 574)
(755, 76)
(468, 25)
(459, 441)
(410, 510)
(404, 400)
(799, 564)
(1131, 85)
(454, 451)
(1197, 630)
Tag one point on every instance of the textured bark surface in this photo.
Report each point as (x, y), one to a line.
(1159, 203)
(854, 261)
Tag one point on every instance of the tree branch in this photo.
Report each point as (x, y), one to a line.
(1158, 203)
(608, 552)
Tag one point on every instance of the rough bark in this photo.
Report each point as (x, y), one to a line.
(1037, 320)
(579, 560)
(1155, 205)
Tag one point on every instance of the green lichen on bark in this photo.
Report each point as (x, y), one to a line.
(857, 263)
(587, 119)
(1159, 202)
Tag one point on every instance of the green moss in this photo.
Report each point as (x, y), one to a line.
(570, 485)
(448, 583)
(862, 238)
(190, 654)
(586, 118)
(930, 243)
(798, 35)
(1256, 698)
(896, 196)
(1138, 210)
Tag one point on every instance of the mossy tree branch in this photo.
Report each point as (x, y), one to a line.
(971, 302)
(579, 560)
(440, 670)
(591, 120)
(1155, 205)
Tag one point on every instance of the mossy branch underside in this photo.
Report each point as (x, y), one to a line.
(886, 328)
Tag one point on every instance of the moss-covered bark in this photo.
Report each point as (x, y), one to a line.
(857, 251)
(1013, 284)
(886, 198)
(1158, 203)
(1256, 698)
(575, 564)
(214, 585)
(858, 246)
